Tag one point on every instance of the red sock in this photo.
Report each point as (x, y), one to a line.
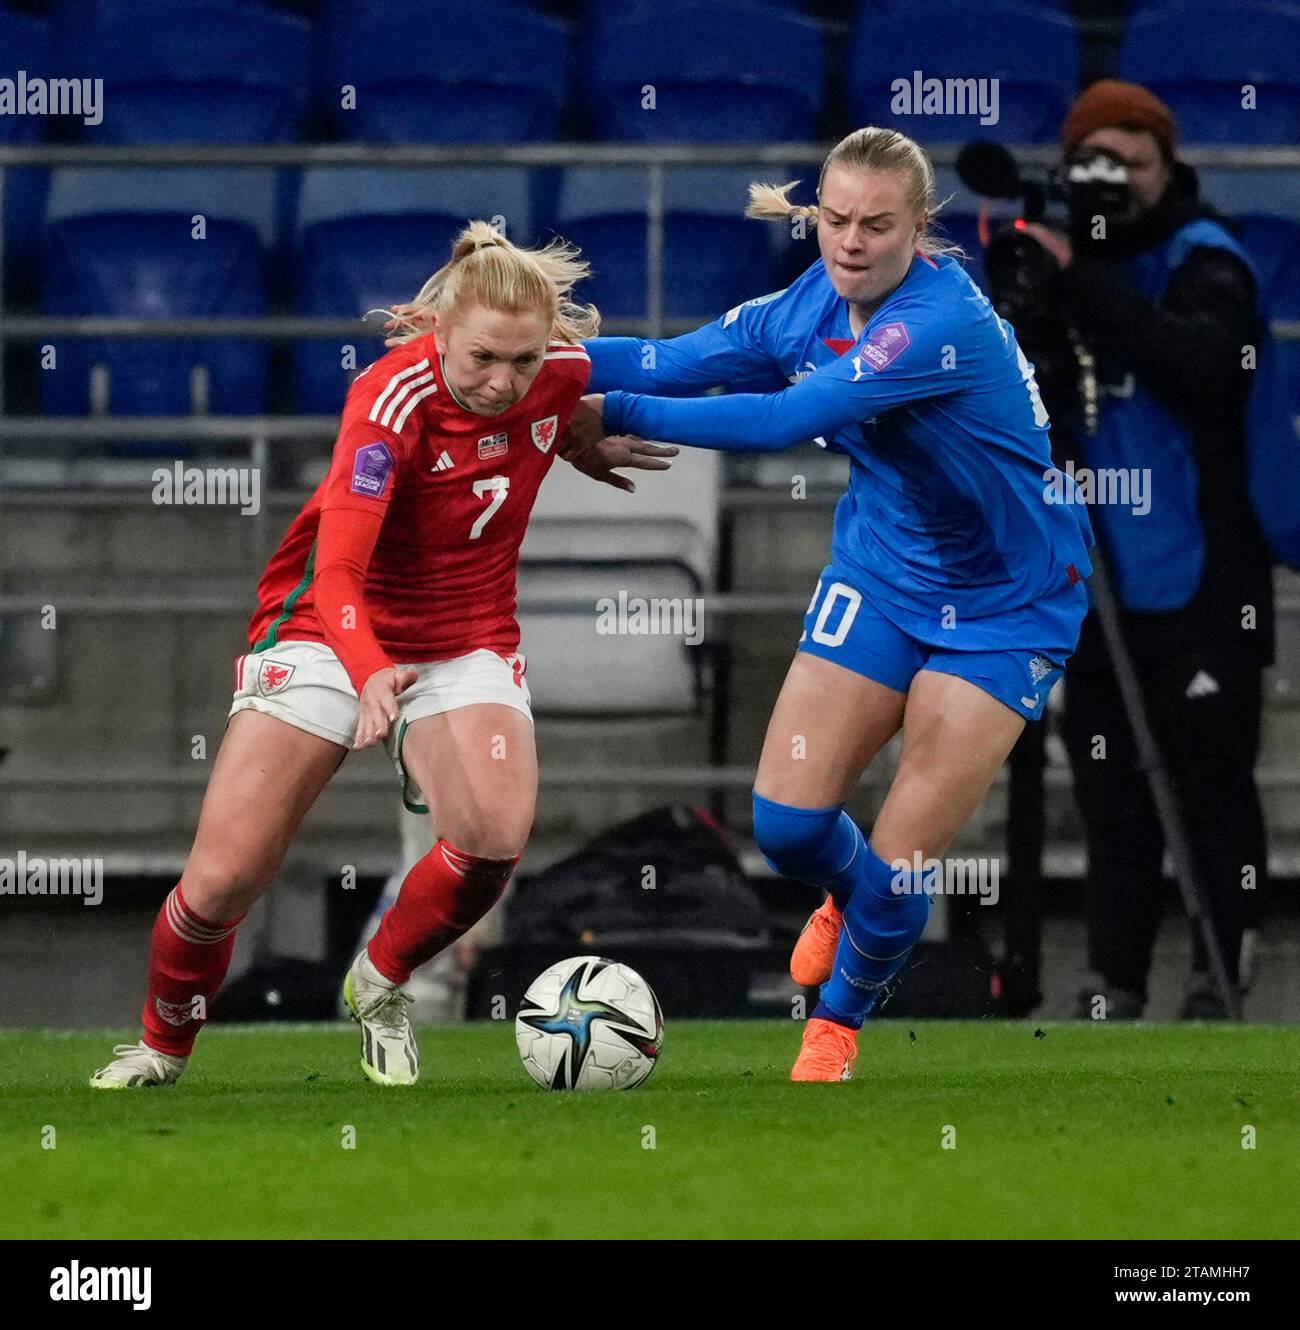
(188, 959)
(444, 895)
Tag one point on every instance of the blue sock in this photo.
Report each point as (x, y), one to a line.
(881, 926)
(820, 846)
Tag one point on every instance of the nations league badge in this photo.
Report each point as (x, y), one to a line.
(371, 468)
(883, 347)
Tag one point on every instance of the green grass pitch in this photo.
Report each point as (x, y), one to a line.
(1083, 1131)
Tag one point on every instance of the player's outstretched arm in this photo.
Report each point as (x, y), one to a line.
(356, 498)
(728, 352)
(742, 422)
(891, 367)
(722, 353)
(344, 543)
(695, 362)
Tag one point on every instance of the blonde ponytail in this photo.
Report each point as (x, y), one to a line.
(488, 269)
(771, 202)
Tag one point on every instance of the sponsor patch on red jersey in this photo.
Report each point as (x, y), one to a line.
(494, 445)
(544, 432)
(371, 468)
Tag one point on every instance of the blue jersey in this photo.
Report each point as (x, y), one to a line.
(955, 519)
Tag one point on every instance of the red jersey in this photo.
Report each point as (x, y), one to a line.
(425, 507)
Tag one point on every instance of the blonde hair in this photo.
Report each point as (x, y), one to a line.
(868, 149)
(487, 269)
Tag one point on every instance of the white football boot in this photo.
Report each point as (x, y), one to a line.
(135, 1065)
(388, 1052)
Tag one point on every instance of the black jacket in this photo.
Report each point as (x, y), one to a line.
(1186, 349)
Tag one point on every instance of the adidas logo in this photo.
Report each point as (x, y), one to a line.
(444, 462)
(1201, 685)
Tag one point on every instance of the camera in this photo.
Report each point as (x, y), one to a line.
(1024, 277)
(1095, 185)
(1022, 274)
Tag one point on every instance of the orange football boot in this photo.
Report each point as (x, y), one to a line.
(813, 957)
(827, 1054)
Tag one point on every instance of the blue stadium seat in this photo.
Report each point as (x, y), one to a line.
(1059, 6)
(24, 44)
(720, 71)
(1197, 57)
(1277, 386)
(1282, 301)
(731, 71)
(112, 251)
(1033, 53)
(1136, 7)
(368, 239)
(588, 11)
(1270, 242)
(429, 71)
(714, 257)
(210, 71)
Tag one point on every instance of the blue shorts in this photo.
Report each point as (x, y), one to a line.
(843, 625)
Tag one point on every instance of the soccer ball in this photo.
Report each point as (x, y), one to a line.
(589, 1024)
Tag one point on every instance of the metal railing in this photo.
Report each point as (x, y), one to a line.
(261, 432)
(654, 159)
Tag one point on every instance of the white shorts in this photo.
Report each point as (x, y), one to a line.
(305, 685)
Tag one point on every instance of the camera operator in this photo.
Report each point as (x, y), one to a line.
(1143, 311)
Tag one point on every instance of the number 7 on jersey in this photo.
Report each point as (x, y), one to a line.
(498, 487)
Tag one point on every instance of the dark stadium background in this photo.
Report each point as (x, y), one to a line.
(316, 212)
